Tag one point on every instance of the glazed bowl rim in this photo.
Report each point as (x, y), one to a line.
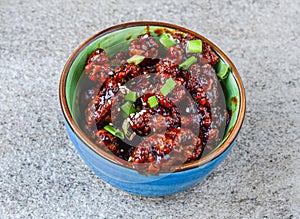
(191, 165)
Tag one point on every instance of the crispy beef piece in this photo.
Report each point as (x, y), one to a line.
(99, 110)
(139, 123)
(97, 67)
(124, 73)
(207, 78)
(158, 146)
(144, 45)
(201, 98)
(165, 66)
(176, 54)
(107, 141)
(163, 117)
(207, 56)
(118, 59)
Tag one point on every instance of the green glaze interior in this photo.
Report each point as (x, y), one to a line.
(232, 96)
(115, 41)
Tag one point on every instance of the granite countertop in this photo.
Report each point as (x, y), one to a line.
(41, 174)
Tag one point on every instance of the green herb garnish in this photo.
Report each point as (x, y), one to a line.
(131, 96)
(167, 40)
(168, 87)
(125, 126)
(194, 46)
(187, 63)
(114, 131)
(223, 70)
(136, 59)
(128, 108)
(152, 101)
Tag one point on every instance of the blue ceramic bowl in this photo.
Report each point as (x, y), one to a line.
(112, 170)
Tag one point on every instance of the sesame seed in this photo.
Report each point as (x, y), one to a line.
(110, 73)
(187, 110)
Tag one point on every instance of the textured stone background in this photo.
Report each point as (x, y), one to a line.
(42, 176)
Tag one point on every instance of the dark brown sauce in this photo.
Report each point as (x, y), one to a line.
(148, 29)
(160, 30)
(234, 101)
(128, 38)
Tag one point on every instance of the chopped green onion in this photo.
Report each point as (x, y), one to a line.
(128, 132)
(168, 87)
(194, 46)
(136, 59)
(125, 126)
(223, 70)
(114, 131)
(131, 96)
(187, 63)
(119, 134)
(128, 108)
(152, 101)
(167, 40)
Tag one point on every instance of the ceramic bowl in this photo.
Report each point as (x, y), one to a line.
(104, 164)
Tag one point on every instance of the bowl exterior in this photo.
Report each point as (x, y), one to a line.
(131, 181)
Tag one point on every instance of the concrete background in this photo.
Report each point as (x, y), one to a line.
(42, 176)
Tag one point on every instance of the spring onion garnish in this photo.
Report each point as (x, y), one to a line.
(167, 40)
(194, 46)
(152, 101)
(131, 96)
(136, 59)
(187, 63)
(125, 126)
(128, 108)
(223, 70)
(114, 131)
(128, 132)
(168, 87)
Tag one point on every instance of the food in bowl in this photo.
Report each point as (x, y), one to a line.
(77, 90)
(156, 102)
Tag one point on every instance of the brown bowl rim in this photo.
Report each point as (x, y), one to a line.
(80, 134)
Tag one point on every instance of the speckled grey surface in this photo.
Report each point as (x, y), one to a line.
(42, 176)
